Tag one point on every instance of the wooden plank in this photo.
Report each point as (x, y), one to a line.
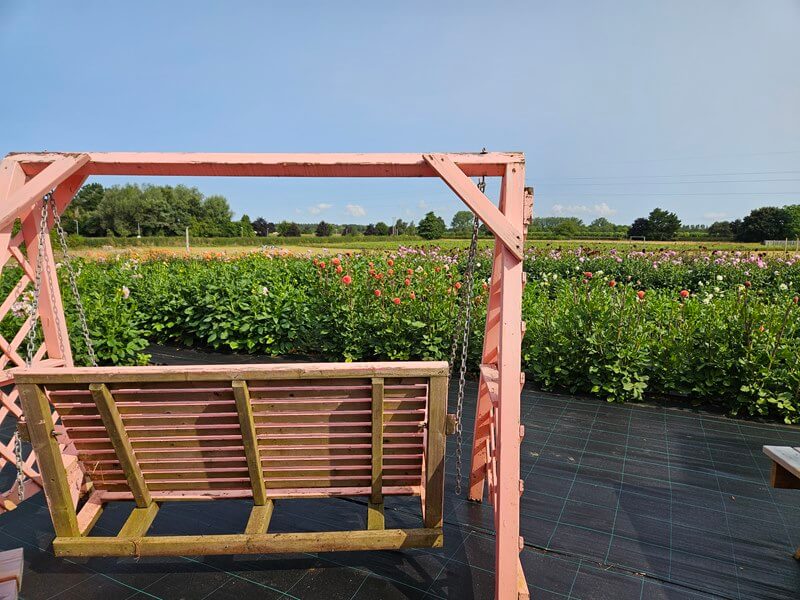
(197, 373)
(276, 494)
(434, 452)
(192, 164)
(250, 441)
(91, 511)
(510, 234)
(263, 543)
(54, 476)
(782, 478)
(139, 521)
(375, 516)
(786, 457)
(23, 200)
(508, 418)
(122, 445)
(259, 519)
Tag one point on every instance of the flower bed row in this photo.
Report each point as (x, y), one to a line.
(721, 327)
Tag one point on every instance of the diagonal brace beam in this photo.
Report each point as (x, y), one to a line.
(23, 200)
(466, 189)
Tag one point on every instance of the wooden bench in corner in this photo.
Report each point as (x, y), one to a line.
(10, 573)
(785, 470)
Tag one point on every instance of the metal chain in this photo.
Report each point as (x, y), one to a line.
(466, 305)
(33, 309)
(62, 240)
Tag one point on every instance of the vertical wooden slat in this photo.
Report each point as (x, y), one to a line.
(375, 516)
(250, 441)
(54, 476)
(112, 420)
(507, 542)
(434, 452)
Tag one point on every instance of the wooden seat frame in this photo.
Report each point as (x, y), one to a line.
(155, 434)
(26, 177)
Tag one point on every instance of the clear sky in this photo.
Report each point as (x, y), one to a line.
(620, 106)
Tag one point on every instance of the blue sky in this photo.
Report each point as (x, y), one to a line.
(619, 106)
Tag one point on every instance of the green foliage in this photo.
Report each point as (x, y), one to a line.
(153, 210)
(323, 229)
(659, 225)
(766, 223)
(431, 227)
(287, 229)
(606, 323)
(461, 222)
(793, 212)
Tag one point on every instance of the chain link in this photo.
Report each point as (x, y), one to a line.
(62, 240)
(33, 310)
(465, 321)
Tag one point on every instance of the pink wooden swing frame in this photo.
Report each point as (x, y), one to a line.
(26, 177)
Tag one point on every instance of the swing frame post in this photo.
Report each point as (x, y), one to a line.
(26, 177)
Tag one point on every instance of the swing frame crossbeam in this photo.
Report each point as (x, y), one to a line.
(26, 177)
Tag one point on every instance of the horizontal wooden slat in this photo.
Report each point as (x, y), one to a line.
(385, 539)
(150, 374)
(281, 493)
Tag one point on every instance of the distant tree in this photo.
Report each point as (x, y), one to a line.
(662, 225)
(461, 222)
(601, 224)
(567, 229)
(370, 230)
(720, 229)
(431, 227)
(262, 227)
(323, 229)
(400, 227)
(766, 223)
(639, 228)
(246, 227)
(381, 228)
(349, 230)
(85, 201)
(411, 229)
(793, 210)
(287, 229)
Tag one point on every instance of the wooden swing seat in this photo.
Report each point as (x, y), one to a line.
(280, 431)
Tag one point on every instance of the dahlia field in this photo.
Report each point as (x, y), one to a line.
(714, 327)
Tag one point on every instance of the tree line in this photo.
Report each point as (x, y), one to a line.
(163, 210)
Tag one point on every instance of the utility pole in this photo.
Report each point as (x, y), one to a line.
(77, 231)
(138, 230)
(187, 240)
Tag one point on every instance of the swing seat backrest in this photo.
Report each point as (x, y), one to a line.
(306, 430)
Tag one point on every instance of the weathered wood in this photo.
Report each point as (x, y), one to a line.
(22, 201)
(259, 519)
(91, 511)
(465, 188)
(781, 477)
(434, 452)
(250, 441)
(191, 164)
(375, 516)
(264, 543)
(122, 445)
(54, 476)
(508, 417)
(785, 465)
(197, 373)
(139, 521)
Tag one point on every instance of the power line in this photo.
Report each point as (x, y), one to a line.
(673, 182)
